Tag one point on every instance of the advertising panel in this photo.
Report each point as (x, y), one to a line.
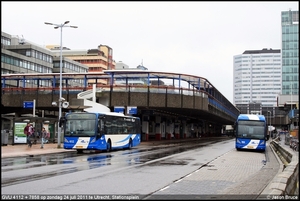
(19, 136)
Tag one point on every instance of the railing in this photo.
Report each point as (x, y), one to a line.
(286, 182)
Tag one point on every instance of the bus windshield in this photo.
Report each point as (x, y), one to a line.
(251, 129)
(80, 125)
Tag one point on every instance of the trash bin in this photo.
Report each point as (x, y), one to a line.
(4, 137)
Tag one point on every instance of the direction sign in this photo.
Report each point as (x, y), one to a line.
(131, 110)
(28, 104)
(119, 109)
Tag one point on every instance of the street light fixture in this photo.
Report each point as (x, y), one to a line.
(56, 26)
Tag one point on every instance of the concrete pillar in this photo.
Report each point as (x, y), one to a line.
(184, 129)
(11, 126)
(204, 129)
(145, 130)
(158, 128)
(191, 130)
(195, 134)
(177, 130)
(163, 129)
(198, 131)
(169, 129)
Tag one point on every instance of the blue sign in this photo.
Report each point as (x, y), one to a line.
(131, 110)
(119, 109)
(28, 104)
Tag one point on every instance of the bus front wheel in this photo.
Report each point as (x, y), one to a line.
(108, 146)
(130, 144)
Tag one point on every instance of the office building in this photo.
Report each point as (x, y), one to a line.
(97, 60)
(23, 56)
(257, 77)
(290, 52)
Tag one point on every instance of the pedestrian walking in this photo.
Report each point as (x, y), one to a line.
(43, 137)
(28, 131)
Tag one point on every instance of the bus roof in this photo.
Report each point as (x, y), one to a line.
(255, 117)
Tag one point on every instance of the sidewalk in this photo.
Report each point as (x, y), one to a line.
(23, 150)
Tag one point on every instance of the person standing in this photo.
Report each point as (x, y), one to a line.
(28, 131)
(43, 136)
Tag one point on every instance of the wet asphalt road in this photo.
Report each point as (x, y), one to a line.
(143, 170)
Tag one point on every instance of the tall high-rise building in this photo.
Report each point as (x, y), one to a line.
(257, 77)
(290, 52)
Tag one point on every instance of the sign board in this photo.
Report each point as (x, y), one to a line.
(19, 136)
(131, 110)
(119, 109)
(28, 104)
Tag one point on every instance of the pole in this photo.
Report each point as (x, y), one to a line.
(269, 127)
(33, 108)
(56, 26)
(270, 119)
(60, 92)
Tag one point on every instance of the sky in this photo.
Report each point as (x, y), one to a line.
(191, 37)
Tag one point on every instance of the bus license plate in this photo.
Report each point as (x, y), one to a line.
(79, 147)
(250, 147)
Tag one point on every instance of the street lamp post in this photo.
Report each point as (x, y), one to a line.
(56, 26)
(269, 128)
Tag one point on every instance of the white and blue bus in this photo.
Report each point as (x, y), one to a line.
(100, 131)
(251, 132)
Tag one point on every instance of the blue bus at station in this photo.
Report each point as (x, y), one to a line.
(100, 131)
(251, 132)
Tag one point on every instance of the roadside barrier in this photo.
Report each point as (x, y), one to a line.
(286, 182)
